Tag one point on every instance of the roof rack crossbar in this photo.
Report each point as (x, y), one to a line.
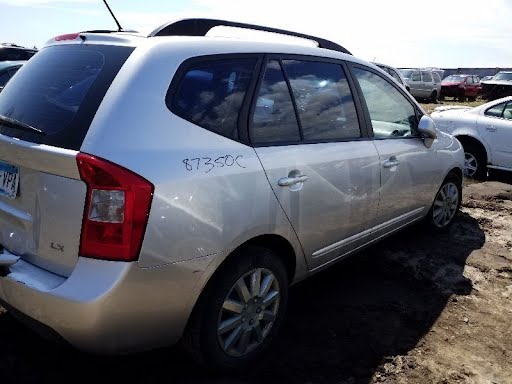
(200, 27)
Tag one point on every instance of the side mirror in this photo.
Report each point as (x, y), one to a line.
(427, 127)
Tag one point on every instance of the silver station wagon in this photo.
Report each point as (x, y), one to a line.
(171, 187)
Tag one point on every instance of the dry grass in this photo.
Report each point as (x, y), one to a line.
(429, 107)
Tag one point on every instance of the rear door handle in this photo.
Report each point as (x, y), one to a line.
(287, 181)
(392, 162)
(491, 128)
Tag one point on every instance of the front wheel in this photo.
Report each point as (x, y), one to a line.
(446, 204)
(240, 312)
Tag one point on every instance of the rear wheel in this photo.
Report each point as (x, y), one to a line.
(240, 312)
(433, 96)
(474, 162)
(446, 204)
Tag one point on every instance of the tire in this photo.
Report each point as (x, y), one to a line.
(433, 97)
(446, 204)
(441, 97)
(472, 98)
(220, 315)
(462, 97)
(475, 164)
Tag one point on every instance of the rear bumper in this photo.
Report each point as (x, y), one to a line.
(104, 306)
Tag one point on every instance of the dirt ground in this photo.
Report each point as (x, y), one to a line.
(416, 308)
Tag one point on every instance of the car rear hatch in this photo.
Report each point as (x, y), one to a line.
(45, 113)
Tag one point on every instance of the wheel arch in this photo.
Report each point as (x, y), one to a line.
(277, 243)
(466, 138)
(457, 172)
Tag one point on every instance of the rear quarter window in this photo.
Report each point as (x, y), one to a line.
(210, 93)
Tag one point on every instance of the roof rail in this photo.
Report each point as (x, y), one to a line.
(200, 27)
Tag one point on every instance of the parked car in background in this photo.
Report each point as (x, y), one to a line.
(499, 86)
(7, 70)
(485, 133)
(460, 87)
(395, 74)
(13, 52)
(485, 78)
(258, 165)
(423, 83)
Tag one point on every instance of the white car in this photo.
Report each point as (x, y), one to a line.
(485, 133)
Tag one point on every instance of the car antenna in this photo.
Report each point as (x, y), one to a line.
(120, 29)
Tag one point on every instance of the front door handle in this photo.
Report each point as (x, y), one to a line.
(392, 162)
(288, 181)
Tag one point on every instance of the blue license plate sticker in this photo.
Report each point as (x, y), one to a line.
(9, 180)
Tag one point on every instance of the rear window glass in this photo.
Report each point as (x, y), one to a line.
(211, 93)
(58, 92)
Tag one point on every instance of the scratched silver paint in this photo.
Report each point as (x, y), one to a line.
(198, 215)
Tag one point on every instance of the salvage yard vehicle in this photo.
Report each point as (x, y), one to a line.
(14, 52)
(497, 87)
(7, 70)
(395, 74)
(173, 186)
(485, 133)
(423, 83)
(461, 87)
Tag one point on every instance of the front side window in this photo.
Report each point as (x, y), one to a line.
(426, 77)
(391, 113)
(324, 101)
(416, 76)
(274, 119)
(496, 111)
(211, 93)
(395, 76)
(507, 112)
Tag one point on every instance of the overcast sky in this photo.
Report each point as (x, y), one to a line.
(402, 33)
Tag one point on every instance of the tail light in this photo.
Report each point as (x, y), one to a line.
(116, 210)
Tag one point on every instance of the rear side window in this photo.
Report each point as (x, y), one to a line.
(323, 99)
(210, 94)
(274, 118)
(426, 77)
(59, 91)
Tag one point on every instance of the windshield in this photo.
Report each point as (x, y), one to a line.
(503, 76)
(406, 73)
(454, 78)
(58, 92)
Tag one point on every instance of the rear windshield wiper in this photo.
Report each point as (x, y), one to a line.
(10, 122)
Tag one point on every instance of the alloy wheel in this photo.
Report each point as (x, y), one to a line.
(470, 164)
(248, 312)
(445, 205)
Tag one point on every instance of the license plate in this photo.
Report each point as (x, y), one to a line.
(9, 179)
